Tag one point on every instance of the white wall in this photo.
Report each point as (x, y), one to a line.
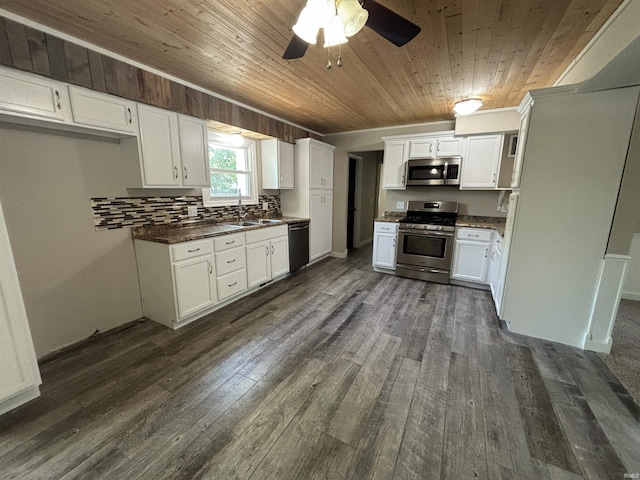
(74, 279)
(482, 203)
(574, 158)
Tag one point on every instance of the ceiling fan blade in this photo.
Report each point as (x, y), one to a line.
(296, 48)
(398, 30)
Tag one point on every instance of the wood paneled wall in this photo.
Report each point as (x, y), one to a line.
(31, 50)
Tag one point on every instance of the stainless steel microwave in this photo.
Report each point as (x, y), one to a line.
(434, 171)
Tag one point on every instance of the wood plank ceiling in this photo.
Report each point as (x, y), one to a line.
(495, 49)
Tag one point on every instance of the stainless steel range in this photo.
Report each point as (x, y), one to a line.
(425, 241)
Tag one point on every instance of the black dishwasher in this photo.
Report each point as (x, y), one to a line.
(298, 245)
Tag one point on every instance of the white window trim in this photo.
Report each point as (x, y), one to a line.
(250, 145)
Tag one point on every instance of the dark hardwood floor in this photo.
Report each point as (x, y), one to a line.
(337, 372)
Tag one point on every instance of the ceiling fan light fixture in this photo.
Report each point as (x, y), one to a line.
(353, 16)
(307, 26)
(334, 33)
(323, 11)
(467, 106)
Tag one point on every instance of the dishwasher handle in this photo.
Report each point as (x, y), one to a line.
(302, 227)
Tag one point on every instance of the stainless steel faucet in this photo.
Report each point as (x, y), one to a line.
(241, 214)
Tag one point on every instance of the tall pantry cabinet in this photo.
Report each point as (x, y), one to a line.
(312, 196)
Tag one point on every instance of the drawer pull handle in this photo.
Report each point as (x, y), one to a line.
(231, 261)
(193, 251)
(58, 101)
(130, 115)
(175, 171)
(186, 173)
(384, 228)
(233, 284)
(210, 269)
(469, 235)
(230, 243)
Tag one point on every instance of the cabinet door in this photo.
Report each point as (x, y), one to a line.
(194, 152)
(316, 216)
(481, 162)
(31, 95)
(327, 222)
(195, 286)
(258, 263)
(279, 256)
(327, 169)
(285, 165)
(394, 167)
(101, 110)
(19, 368)
(316, 167)
(470, 261)
(384, 250)
(449, 147)
(160, 147)
(422, 148)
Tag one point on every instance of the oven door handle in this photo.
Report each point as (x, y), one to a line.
(445, 172)
(427, 233)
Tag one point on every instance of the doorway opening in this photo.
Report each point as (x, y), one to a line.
(362, 197)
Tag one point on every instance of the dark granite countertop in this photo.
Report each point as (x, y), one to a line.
(172, 233)
(493, 223)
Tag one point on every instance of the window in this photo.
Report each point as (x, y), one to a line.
(232, 169)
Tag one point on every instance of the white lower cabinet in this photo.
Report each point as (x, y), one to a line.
(267, 254)
(321, 226)
(384, 246)
(472, 247)
(195, 285)
(182, 282)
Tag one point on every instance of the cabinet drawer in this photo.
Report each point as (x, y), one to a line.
(479, 234)
(386, 227)
(231, 284)
(193, 249)
(226, 242)
(230, 260)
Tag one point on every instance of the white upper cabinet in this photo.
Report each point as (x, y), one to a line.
(193, 151)
(320, 167)
(173, 149)
(32, 96)
(481, 162)
(160, 147)
(394, 167)
(277, 164)
(422, 148)
(449, 147)
(101, 110)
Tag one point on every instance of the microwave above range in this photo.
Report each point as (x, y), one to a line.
(436, 171)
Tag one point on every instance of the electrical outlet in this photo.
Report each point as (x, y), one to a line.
(400, 205)
(192, 211)
(265, 205)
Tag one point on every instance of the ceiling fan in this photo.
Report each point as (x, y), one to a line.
(395, 28)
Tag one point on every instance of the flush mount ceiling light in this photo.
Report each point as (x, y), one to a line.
(340, 19)
(467, 106)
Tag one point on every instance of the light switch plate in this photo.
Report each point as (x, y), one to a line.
(400, 205)
(192, 211)
(265, 205)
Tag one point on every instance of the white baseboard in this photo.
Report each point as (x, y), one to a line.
(340, 254)
(364, 243)
(631, 296)
(21, 398)
(598, 346)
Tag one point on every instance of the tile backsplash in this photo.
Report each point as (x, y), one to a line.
(121, 212)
